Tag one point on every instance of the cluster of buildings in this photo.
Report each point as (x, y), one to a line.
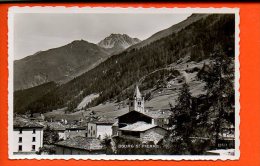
(138, 124)
(141, 124)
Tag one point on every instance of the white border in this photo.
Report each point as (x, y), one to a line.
(50, 9)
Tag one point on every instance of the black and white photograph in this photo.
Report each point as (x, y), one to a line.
(123, 83)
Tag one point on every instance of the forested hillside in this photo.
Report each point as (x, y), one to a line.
(111, 78)
(23, 98)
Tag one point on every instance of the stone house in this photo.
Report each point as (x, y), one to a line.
(79, 146)
(143, 132)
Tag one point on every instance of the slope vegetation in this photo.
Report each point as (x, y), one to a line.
(113, 78)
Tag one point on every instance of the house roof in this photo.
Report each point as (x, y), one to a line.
(80, 142)
(56, 126)
(35, 115)
(159, 114)
(76, 128)
(138, 126)
(25, 123)
(105, 121)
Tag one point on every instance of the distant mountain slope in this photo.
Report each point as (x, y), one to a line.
(113, 78)
(23, 98)
(58, 64)
(116, 43)
(173, 29)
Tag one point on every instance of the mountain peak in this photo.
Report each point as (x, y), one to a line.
(79, 41)
(117, 35)
(115, 40)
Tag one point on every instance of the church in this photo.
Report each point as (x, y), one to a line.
(137, 102)
(140, 124)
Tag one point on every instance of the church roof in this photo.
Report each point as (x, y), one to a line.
(136, 113)
(137, 93)
(138, 126)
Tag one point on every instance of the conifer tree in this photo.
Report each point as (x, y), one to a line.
(220, 87)
(181, 121)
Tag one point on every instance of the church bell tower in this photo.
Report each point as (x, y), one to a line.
(137, 102)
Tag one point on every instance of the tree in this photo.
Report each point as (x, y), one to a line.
(178, 140)
(220, 88)
(47, 149)
(106, 142)
(50, 136)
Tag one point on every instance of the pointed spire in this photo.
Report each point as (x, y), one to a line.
(137, 93)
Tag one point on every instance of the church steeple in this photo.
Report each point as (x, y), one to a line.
(137, 93)
(137, 103)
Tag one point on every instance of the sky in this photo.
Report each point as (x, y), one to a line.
(35, 32)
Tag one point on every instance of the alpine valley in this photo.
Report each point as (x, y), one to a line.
(83, 78)
(67, 62)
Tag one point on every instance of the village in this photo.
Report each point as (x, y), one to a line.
(139, 127)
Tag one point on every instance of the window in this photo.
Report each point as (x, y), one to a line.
(20, 131)
(33, 139)
(34, 131)
(20, 139)
(131, 103)
(91, 127)
(20, 148)
(33, 147)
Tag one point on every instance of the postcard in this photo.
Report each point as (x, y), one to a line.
(123, 83)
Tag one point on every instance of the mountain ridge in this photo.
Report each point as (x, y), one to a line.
(56, 64)
(117, 43)
(168, 31)
(113, 77)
